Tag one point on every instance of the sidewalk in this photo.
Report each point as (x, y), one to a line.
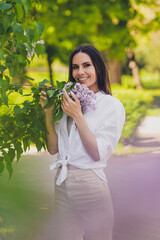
(148, 135)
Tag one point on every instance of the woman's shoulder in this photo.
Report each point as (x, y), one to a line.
(110, 100)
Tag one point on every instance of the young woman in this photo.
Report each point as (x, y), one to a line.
(84, 143)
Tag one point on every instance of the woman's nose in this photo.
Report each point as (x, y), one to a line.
(80, 70)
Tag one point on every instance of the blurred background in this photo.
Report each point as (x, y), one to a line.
(127, 33)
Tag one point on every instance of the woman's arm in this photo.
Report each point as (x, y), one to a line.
(88, 139)
(73, 109)
(51, 135)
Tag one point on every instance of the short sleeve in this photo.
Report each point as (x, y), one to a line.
(109, 130)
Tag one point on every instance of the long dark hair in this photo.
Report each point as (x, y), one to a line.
(99, 64)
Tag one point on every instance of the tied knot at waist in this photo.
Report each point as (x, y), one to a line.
(63, 173)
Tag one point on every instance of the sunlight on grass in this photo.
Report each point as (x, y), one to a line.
(40, 76)
(129, 149)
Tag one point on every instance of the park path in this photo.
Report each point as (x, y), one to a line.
(134, 184)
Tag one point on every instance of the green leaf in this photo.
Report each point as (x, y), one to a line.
(17, 28)
(58, 105)
(25, 144)
(26, 4)
(19, 10)
(8, 163)
(60, 84)
(2, 68)
(48, 103)
(1, 102)
(21, 92)
(9, 168)
(39, 49)
(8, 80)
(1, 165)
(5, 6)
(38, 29)
(3, 85)
(29, 48)
(18, 148)
(30, 34)
(27, 77)
(44, 82)
(11, 154)
(39, 146)
(5, 136)
(1, 55)
(50, 93)
(6, 21)
(17, 110)
(58, 115)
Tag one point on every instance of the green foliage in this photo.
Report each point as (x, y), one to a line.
(136, 103)
(69, 24)
(18, 41)
(25, 124)
(21, 127)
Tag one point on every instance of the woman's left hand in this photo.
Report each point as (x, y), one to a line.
(70, 107)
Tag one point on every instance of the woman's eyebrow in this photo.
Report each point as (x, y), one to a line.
(74, 64)
(86, 62)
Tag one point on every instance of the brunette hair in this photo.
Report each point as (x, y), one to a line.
(99, 64)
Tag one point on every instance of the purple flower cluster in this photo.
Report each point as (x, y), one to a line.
(84, 95)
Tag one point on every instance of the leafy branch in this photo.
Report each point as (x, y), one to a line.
(25, 124)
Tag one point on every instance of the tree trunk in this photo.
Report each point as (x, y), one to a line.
(135, 72)
(50, 69)
(114, 69)
(134, 68)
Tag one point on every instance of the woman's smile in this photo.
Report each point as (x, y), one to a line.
(82, 79)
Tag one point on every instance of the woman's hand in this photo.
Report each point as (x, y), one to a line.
(43, 99)
(70, 107)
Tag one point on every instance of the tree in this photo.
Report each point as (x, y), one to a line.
(111, 26)
(69, 24)
(19, 39)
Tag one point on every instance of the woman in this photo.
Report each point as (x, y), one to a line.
(84, 143)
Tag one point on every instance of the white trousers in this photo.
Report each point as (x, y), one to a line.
(83, 207)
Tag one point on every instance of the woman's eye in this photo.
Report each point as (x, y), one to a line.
(74, 67)
(87, 65)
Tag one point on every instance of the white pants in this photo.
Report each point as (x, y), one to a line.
(83, 207)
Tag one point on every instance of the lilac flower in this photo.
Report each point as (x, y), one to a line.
(84, 94)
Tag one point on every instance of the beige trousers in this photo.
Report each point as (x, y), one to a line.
(83, 207)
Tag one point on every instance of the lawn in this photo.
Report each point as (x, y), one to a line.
(26, 199)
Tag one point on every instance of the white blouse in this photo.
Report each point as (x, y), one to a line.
(106, 124)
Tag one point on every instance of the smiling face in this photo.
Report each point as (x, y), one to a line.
(83, 71)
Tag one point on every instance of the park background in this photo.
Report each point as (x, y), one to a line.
(127, 34)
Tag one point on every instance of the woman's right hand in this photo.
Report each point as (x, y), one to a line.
(43, 99)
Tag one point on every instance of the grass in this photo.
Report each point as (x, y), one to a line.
(25, 199)
(121, 149)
